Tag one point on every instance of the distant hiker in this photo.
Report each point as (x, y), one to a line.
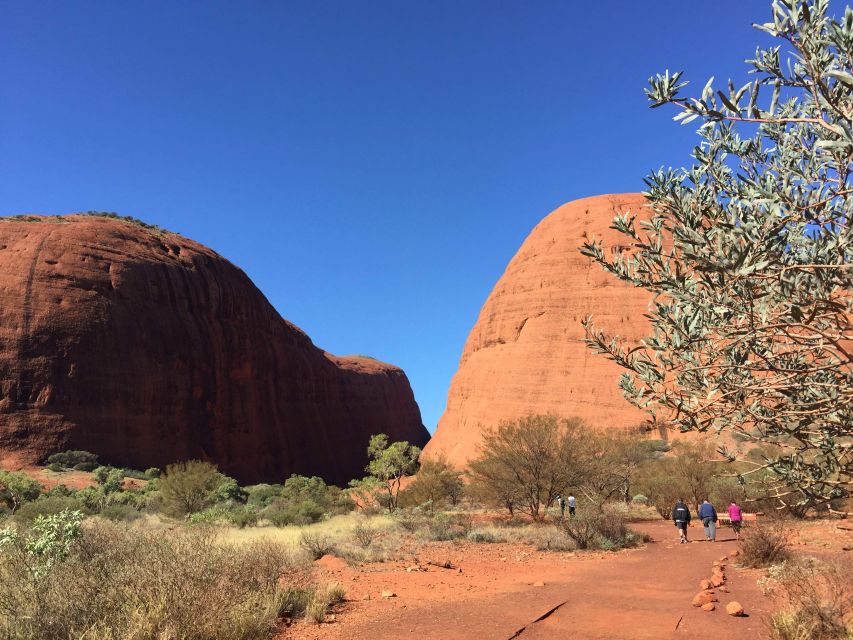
(561, 502)
(736, 518)
(708, 516)
(572, 503)
(681, 518)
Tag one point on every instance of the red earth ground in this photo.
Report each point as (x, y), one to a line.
(506, 591)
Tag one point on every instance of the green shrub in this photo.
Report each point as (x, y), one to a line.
(484, 536)
(188, 487)
(282, 513)
(17, 488)
(152, 472)
(49, 506)
(263, 494)
(72, 458)
(640, 499)
(55, 467)
(120, 513)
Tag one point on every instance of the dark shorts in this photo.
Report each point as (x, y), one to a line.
(736, 524)
(681, 525)
(571, 511)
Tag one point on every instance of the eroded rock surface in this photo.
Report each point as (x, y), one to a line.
(526, 355)
(148, 348)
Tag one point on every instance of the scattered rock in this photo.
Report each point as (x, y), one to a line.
(539, 584)
(387, 593)
(718, 580)
(708, 606)
(734, 608)
(723, 589)
(705, 585)
(703, 597)
(331, 618)
(723, 558)
(734, 554)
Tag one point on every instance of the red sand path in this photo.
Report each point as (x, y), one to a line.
(637, 594)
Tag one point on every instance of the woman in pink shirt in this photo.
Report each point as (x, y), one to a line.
(736, 518)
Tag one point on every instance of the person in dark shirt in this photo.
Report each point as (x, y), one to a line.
(681, 518)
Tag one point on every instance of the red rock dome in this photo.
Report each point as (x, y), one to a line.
(526, 353)
(147, 348)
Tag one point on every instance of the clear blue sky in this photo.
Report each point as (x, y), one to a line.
(371, 165)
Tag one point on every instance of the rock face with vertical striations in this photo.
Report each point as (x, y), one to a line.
(147, 348)
(526, 353)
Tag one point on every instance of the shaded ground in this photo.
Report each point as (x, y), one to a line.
(503, 590)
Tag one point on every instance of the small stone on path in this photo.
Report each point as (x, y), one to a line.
(387, 593)
(708, 606)
(734, 608)
(703, 597)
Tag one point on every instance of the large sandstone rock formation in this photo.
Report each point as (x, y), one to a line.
(148, 348)
(526, 353)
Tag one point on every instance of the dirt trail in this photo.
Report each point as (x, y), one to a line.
(632, 595)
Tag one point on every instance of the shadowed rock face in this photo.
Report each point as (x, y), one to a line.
(148, 348)
(526, 353)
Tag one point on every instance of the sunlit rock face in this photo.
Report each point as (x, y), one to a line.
(526, 354)
(147, 348)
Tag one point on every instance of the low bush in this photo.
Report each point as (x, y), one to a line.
(120, 513)
(316, 544)
(487, 536)
(322, 601)
(364, 535)
(448, 526)
(115, 582)
(765, 545)
(73, 459)
(604, 529)
(820, 599)
(48, 506)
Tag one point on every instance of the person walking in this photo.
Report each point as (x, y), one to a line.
(561, 502)
(736, 518)
(708, 516)
(681, 518)
(572, 503)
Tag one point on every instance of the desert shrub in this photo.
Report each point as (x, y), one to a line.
(582, 529)
(819, 597)
(448, 526)
(640, 499)
(60, 490)
(243, 516)
(116, 582)
(48, 506)
(262, 494)
(72, 459)
(136, 474)
(411, 520)
(153, 472)
(17, 488)
(55, 467)
(487, 536)
(188, 487)
(316, 544)
(120, 513)
(765, 545)
(282, 513)
(437, 482)
(603, 529)
(364, 535)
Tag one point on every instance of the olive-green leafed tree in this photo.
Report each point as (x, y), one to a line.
(389, 463)
(748, 256)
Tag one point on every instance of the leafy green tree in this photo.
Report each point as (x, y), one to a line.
(748, 257)
(16, 488)
(389, 463)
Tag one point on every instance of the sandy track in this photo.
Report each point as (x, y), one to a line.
(504, 593)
